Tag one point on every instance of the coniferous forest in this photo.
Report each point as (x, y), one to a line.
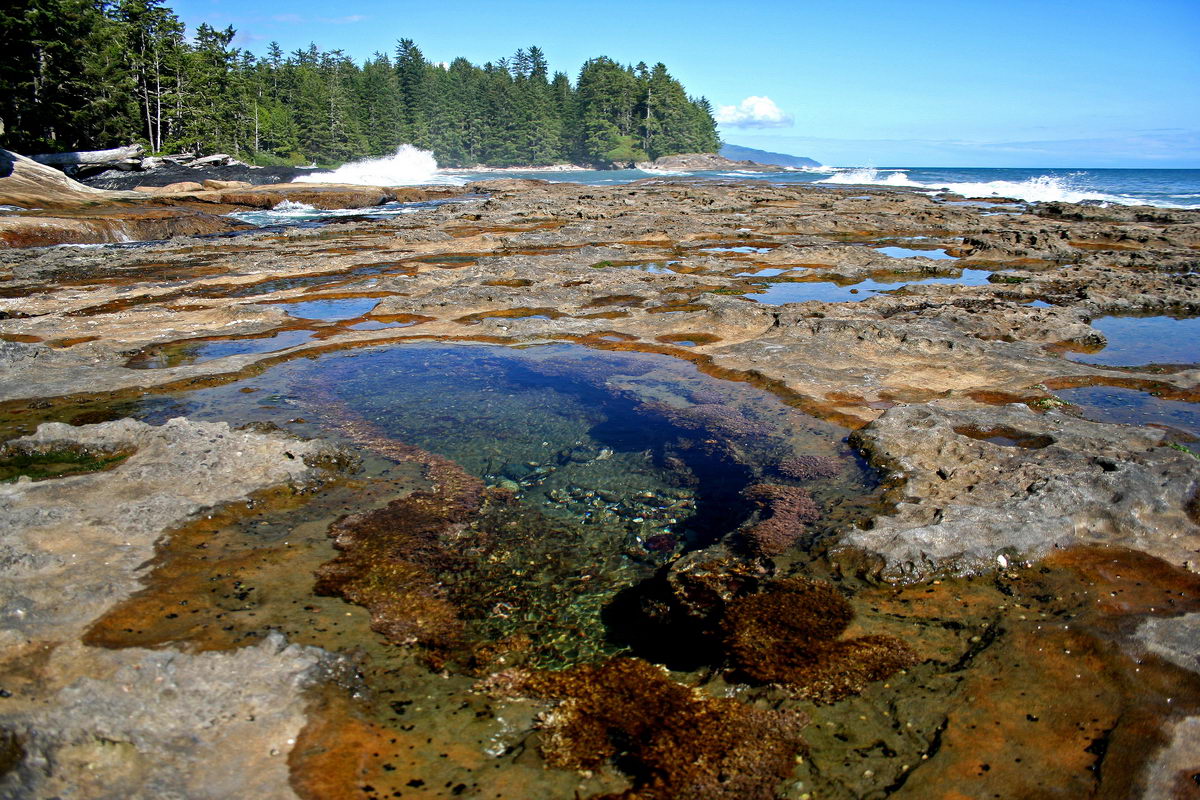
(91, 74)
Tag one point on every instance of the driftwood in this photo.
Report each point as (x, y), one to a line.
(91, 156)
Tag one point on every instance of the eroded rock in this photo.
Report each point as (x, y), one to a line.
(74, 544)
(977, 488)
(159, 723)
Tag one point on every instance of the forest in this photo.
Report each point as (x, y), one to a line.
(90, 74)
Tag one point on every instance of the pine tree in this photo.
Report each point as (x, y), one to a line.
(379, 106)
(81, 74)
(412, 73)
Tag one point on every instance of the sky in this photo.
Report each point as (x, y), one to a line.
(989, 83)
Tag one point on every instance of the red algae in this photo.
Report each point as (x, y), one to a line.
(788, 635)
(673, 740)
(787, 510)
(808, 467)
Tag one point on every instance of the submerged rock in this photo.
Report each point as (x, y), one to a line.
(789, 635)
(673, 740)
(787, 510)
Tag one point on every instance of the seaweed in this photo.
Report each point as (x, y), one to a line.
(787, 510)
(672, 740)
(788, 635)
(42, 464)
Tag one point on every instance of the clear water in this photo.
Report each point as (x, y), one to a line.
(377, 325)
(829, 292)
(1132, 407)
(1134, 341)
(331, 310)
(618, 461)
(178, 354)
(653, 267)
(743, 249)
(769, 272)
(907, 252)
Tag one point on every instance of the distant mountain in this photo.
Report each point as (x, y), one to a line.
(739, 153)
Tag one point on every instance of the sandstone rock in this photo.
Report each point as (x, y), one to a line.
(149, 724)
(109, 225)
(977, 489)
(212, 184)
(181, 186)
(74, 544)
(137, 723)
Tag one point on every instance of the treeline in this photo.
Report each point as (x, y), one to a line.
(89, 74)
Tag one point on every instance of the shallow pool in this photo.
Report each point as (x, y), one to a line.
(907, 252)
(781, 292)
(1145, 340)
(616, 462)
(331, 310)
(1133, 407)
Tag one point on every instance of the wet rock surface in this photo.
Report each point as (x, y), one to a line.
(1023, 599)
(139, 723)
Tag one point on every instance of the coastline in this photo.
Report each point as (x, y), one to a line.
(950, 389)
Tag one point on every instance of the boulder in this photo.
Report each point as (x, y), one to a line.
(211, 184)
(28, 184)
(181, 186)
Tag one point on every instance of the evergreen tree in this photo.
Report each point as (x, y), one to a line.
(53, 53)
(379, 106)
(608, 97)
(84, 74)
(153, 46)
(412, 73)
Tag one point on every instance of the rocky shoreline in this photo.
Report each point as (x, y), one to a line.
(997, 496)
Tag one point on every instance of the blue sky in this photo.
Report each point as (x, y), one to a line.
(1051, 83)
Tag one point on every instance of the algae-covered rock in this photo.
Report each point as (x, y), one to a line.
(673, 740)
(74, 543)
(789, 635)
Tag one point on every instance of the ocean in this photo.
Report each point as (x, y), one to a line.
(1164, 188)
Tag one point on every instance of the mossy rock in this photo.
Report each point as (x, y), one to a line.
(43, 464)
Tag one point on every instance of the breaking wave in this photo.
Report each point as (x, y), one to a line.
(661, 172)
(1039, 189)
(408, 167)
(292, 207)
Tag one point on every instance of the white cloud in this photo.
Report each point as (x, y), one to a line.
(754, 112)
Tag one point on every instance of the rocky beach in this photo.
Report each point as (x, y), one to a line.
(885, 525)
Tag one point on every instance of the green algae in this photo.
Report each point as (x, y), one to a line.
(44, 464)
